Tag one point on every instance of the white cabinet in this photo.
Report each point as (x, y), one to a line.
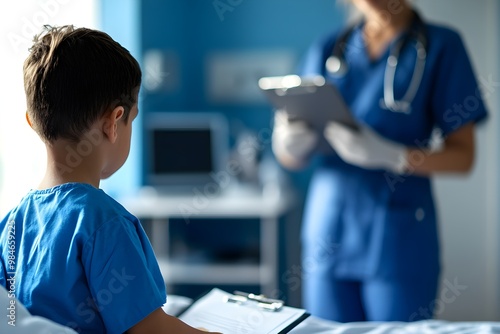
(240, 203)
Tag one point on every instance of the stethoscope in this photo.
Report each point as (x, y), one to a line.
(336, 65)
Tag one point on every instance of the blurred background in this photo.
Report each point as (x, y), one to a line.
(203, 58)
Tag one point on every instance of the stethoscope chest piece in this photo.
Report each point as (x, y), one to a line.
(335, 66)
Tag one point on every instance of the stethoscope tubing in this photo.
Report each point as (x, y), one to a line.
(336, 65)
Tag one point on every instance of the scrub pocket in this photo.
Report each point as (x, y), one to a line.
(409, 243)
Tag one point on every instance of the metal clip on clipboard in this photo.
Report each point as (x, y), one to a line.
(268, 304)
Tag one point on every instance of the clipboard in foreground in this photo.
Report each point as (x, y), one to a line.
(224, 312)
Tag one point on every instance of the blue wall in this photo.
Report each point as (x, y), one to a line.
(193, 29)
(121, 20)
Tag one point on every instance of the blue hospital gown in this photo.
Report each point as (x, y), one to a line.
(82, 260)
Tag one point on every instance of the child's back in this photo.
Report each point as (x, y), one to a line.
(78, 253)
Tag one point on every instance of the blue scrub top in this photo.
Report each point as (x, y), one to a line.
(80, 259)
(361, 223)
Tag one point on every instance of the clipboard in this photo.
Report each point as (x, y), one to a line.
(241, 312)
(310, 99)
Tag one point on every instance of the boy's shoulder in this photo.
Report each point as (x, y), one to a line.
(79, 203)
(72, 193)
(89, 200)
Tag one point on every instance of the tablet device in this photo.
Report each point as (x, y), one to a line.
(310, 99)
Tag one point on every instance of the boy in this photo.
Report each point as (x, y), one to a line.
(79, 258)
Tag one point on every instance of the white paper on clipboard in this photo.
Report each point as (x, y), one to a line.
(310, 99)
(215, 314)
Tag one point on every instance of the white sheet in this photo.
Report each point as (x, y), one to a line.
(314, 325)
(15, 318)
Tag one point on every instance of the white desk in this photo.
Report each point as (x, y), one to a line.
(239, 203)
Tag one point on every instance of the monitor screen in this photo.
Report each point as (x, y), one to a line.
(184, 151)
(184, 148)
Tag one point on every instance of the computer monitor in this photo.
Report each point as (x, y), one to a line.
(184, 149)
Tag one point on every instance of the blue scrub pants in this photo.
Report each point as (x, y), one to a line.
(369, 300)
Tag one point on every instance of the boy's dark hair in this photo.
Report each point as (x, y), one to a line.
(72, 77)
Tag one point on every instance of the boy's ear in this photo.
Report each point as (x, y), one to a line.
(110, 123)
(28, 120)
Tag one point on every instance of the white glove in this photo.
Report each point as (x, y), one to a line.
(365, 148)
(293, 139)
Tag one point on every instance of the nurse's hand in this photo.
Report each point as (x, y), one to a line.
(365, 148)
(292, 140)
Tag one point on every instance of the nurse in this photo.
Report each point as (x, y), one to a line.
(370, 236)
